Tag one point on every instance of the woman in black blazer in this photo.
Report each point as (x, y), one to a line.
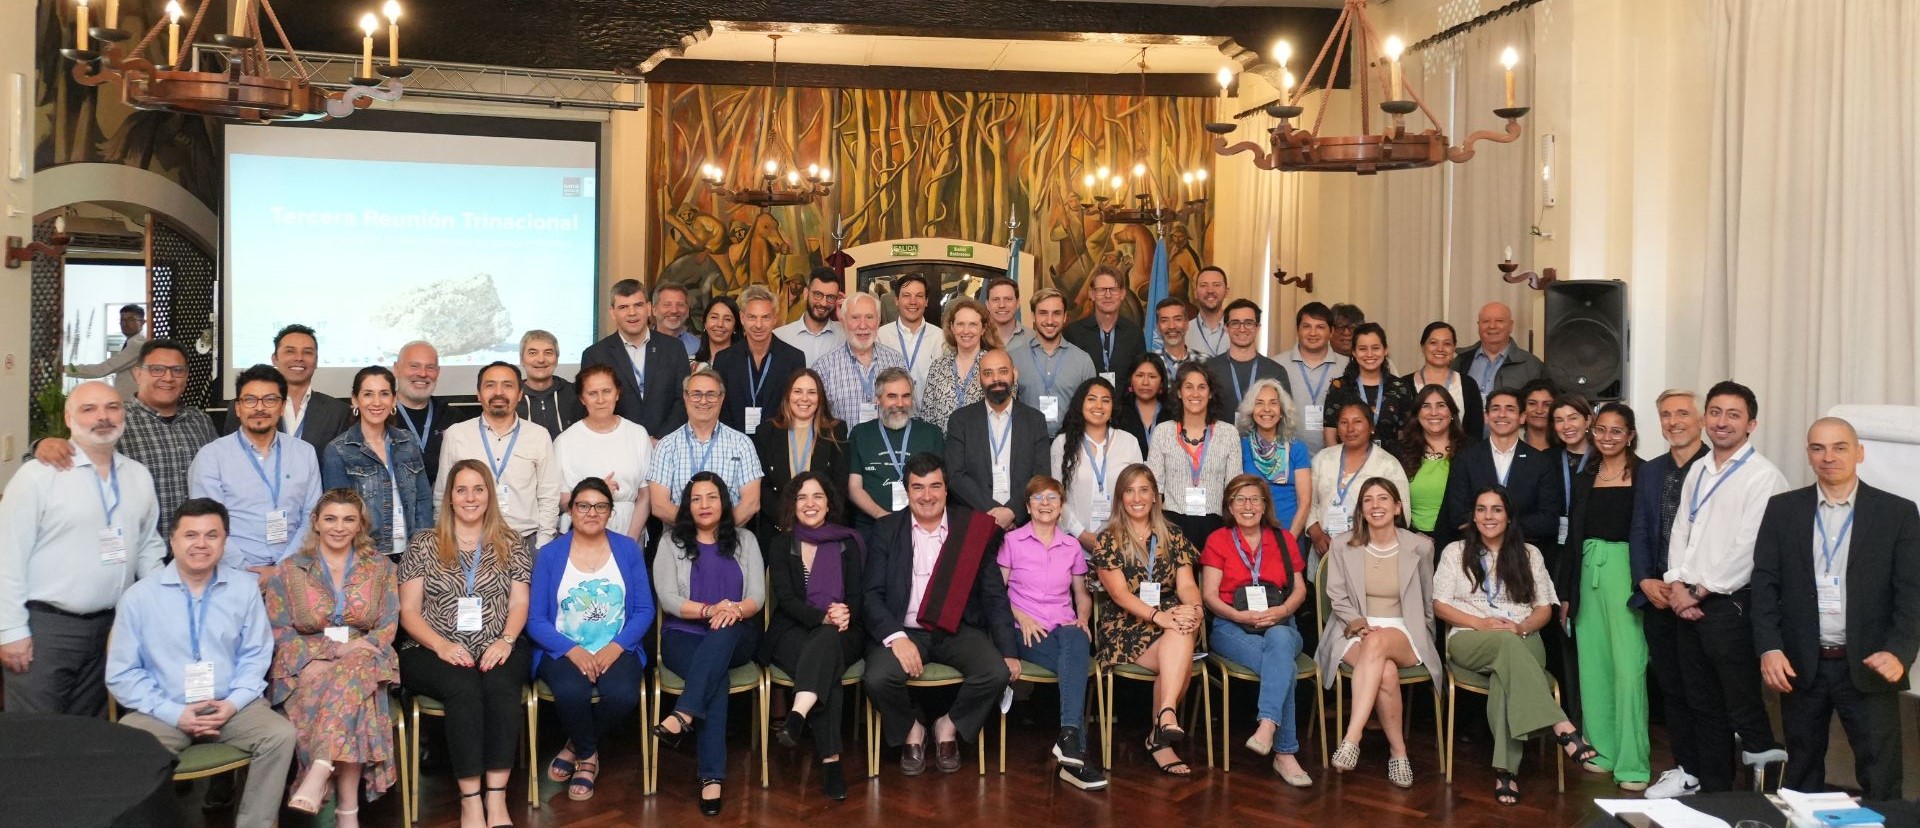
(802, 431)
(1437, 343)
(1144, 385)
(817, 576)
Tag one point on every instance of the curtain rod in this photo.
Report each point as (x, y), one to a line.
(1462, 28)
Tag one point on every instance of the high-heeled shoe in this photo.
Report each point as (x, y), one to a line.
(670, 737)
(501, 790)
(709, 807)
(791, 729)
(833, 783)
(312, 792)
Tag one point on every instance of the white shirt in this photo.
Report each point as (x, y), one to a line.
(50, 541)
(926, 553)
(919, 349)
(293, 416)
(1503, 460)
(999, 427)
(1327, 477)
(532, 475)
(1087, 488)
(1713, 549)
(1829, 517)
(812, 344)
(626, 453)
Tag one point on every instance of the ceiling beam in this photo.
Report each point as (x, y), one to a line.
(757, 73)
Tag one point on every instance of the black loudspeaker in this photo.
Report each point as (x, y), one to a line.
(1586, 337)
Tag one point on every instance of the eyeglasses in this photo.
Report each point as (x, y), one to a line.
(267, 401)
(593, 508)
(1106, 291)
(1242, 323)
(824, 297)
(1247, 500)
(1046, 497)
(705, 396)
(165, 370)
(1610, 432)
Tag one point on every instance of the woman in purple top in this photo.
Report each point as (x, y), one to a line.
(711, 584)
(817, 576)
(1046, 574)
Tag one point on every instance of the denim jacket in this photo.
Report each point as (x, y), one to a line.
(347, 463)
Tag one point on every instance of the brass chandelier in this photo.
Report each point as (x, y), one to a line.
(772, 189)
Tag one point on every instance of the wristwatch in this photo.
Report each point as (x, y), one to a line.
(1695, 591)
(509, 639)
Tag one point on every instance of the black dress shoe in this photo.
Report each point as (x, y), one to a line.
(709, 807)
(833, 783)
(790, 729)
(946, 756)
(913, 759)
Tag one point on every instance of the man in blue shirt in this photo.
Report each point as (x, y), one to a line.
(189, 655)
(267, 479)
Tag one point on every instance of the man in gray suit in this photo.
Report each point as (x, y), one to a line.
(996, 445)
(1496, 361)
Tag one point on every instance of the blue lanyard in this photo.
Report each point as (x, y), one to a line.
(273, 483)
(1240, 546)
(998, 444)
(393, 473)
(873, 368)
(1830, 549)
(1153, 554)
(471, 570)
(302, 429)
(1378, 396)
(339, 616)
(1212, 342)
(967, 381)
(195, 623)
(1566, 480)
(1342, 482)
(1488, 583)
(898, 459)
(1240, 388)
(640, 366)
(499, 467)
(1696, 502)
(419, 434)
(704, 458)
(1100, 465)
(1048, 369)
(754, 384)
(1106, 349)
(1314, 390)
(113, 478)
(797, 461)
(1201, 460)
(912, 356)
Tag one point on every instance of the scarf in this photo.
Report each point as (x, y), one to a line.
(826, 582)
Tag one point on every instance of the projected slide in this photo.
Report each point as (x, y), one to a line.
(376, 239)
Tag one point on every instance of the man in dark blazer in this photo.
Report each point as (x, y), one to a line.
(314, 417)
(1836, 613)
(1656, 497)
(996, 445)
(757, 365)
(1113, 341)
(649, 390)
(1532, 480)
(934, 595)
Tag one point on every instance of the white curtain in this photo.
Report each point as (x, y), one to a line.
(1811, 289)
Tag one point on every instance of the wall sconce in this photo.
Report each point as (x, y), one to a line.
(18, 250)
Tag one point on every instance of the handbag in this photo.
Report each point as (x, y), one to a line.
(1276, 595)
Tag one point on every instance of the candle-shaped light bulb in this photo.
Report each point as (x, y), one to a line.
(1200, 175)
(1282, 52)
(1117, 183)
(392, 11)
(793, 178)
(1509, 59)
(1286, 83)
(113, 14)
(1393, 48)
(239, 18)
(772, 169)
(368, 23)
(1186, 184)
(1139, 170)
(1225, 76)
(813, 172)
(80, 25)
(826, 174)
(1086, 185)
(1509, 254)
(174, 13)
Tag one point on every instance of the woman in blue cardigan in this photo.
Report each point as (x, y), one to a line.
(591, 605)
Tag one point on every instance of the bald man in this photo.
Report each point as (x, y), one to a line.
(1836, 613)
(70, 543)
(996, 445)
(1496, 361)
(417, 368)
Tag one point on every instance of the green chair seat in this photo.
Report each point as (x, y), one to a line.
(1030, 671)
(743, 677)
(935, 673)
(1303, 667)
(1408, 675)
(545, 693)
(1468, 678)
(209, 757)
(429, 705)
(851, 676)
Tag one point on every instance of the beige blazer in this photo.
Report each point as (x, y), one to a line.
(1346, 596)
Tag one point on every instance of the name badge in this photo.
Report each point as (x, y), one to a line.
(1336, 522)
(1563, 530)
(753, 418)
(337, 635)
(199, 682)
(1256, 597)
(1832, 594)
(467, 616)
(1002, 485)
(277, 526)
(1108, 376)
(1150, 593)
(868, 412)
(1102, 511)
(1315, 417)
(1196, 501)
(1050, 407)
(899, 491)
(113, 545)
(501, 491)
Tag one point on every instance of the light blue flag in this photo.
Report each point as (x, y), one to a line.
(1156, 291)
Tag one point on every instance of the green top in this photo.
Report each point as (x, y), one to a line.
(875, 465)
(1426, 491)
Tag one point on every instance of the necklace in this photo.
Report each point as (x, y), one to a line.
(1622, 475)
(1383, 553)
(1189, 440)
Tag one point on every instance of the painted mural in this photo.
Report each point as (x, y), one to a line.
(918, 163)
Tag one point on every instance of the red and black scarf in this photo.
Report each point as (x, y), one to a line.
(961, 557)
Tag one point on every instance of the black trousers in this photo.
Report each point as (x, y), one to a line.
(484, 710)
(970, 651)
(68, 673)
(816, 659)
(1721, 674)
(1871, 721)
(1663, 661)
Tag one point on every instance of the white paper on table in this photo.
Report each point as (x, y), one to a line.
(1803, 806)
(1670, 813)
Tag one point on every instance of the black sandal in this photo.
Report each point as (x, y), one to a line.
(1505, 791)
(483, 806)
(1168, 736)
(1177, 767)
(672, 737)
(1583, 751)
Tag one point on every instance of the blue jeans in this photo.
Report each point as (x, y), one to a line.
(1272, 655)
(702, 660)
(1066, 651)
(581, 719)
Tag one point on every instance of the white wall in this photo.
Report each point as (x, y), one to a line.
(16, 219)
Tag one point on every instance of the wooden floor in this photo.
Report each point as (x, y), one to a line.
(1030, 794)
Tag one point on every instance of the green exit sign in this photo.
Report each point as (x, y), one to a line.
(959, 251)
(906, 250)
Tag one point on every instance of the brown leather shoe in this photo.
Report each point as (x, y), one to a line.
(913, 759)
(946, 756)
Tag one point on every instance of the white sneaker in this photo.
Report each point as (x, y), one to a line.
(1674, 783)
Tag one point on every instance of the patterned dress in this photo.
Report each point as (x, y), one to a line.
(336, 699)
(948, 387)
(1123, 637)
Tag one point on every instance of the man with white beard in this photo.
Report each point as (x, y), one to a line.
(70, 543)
(417, 370)
(878, 449)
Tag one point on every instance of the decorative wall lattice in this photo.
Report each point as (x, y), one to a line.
(181, 284)
(49, 288)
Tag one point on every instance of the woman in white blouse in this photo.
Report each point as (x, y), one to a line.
(1338, 471)
(1193, 457)
(610, 447)
(1088, 454)
(1492, 588)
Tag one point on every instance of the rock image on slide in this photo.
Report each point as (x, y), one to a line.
(458, 315)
